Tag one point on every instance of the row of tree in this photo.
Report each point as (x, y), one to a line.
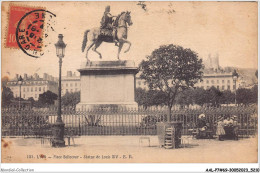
(45, 99)
(198, 96)
(147, 98)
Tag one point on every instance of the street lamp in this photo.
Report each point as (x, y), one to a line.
(20, 82)
(58, 127)
(235, 76)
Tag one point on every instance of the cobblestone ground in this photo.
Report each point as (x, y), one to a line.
(129, 149)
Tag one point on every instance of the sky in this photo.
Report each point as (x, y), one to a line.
(226, 28)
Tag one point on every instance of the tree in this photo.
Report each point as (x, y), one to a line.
(18, 98)
(200, 96)
(171, 69)
(156, 97)
(227, 97)
(7, 96)
(244, 96)
(47, 98)
(254, 94)
(185, 98)
(33, 102)
(70, 99)
(149, 98)
(213, 96)
(4, 81)
(140, 97)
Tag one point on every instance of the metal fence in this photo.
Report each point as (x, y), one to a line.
(120, 121)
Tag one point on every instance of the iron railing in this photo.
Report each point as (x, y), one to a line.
(120, 121)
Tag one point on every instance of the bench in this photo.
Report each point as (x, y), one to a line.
(48, 139)
(70, 137)
(186, 140)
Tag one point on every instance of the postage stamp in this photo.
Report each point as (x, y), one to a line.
(27, 29)
(15, 14)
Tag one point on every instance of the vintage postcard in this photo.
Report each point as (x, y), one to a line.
(129, 82)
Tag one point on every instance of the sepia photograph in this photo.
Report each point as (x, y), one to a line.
(129, 82)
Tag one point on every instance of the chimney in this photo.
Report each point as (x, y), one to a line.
(35, 76)
(49, 77)
(16, 76)
(45, 76)
(69, 73)
(25, 77)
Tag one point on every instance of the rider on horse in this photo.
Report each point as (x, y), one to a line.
(97, 35)
(107, 23)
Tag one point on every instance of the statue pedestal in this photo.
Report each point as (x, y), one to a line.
(107, 84)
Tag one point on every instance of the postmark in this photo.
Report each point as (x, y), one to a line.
(32, 29)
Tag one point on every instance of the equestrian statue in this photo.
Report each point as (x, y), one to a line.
(111, 31)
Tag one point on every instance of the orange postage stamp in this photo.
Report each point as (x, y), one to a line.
(27, 28)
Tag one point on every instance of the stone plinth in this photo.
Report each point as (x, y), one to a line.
(107, 84)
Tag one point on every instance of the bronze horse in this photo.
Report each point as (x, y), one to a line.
(95, 39)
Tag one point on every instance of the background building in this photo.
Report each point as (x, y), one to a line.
(33, 86)
(220, 78)
(212, 62)
(222, 81)
(70, 83)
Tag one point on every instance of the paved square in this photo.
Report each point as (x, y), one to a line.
(127, 149)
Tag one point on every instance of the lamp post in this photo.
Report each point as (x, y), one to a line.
(235, 76)
(20, 82)
(58, 127)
